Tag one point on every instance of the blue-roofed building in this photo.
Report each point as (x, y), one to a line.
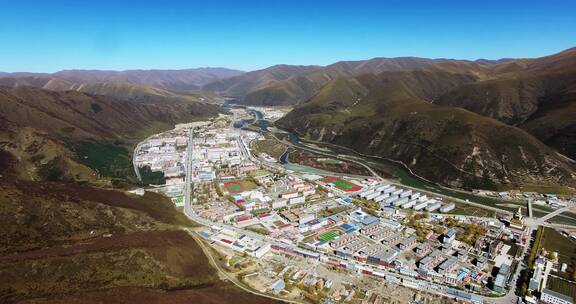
(461, 276)
(357, 214)
(449, 236)
(345, 253)
(369, 220)
(278, 286)
(206, 175)
(388, 211)
(390, 223)
(499, 283)
(348, 227)
(335, 218)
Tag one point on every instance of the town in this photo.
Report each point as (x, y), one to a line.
(310, 235)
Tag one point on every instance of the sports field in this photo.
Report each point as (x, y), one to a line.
(238, 186)
(233, 187)
(327, 236)
(341, 184)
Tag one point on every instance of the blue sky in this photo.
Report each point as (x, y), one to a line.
(46, 36)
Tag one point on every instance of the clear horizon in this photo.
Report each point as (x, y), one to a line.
(146, 35)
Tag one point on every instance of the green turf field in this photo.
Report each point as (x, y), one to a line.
(327, 236)
(342, 184)
(233, 187)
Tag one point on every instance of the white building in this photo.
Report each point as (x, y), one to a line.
(553, 297)
(279, 204)
(447, 208)
(306, 218)
(297, 200)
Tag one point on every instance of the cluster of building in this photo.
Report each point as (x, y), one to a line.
(166, 153)
(550, 199)
(387, 244)
(539, 285)
(268, 114)
(216, 153)
(293, 191)
(390, 197)
(315, 217)
(237, 241)
(289, 208)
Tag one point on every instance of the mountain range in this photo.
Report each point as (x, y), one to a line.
(413, 110)
(464, 124)
(187, 79)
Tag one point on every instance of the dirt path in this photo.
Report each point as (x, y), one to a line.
(223, 274)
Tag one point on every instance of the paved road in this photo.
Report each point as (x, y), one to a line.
(134, 159)
(510, 297)
(553, 214)
(134, 156)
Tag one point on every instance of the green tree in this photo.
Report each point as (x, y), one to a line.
(150, 177)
